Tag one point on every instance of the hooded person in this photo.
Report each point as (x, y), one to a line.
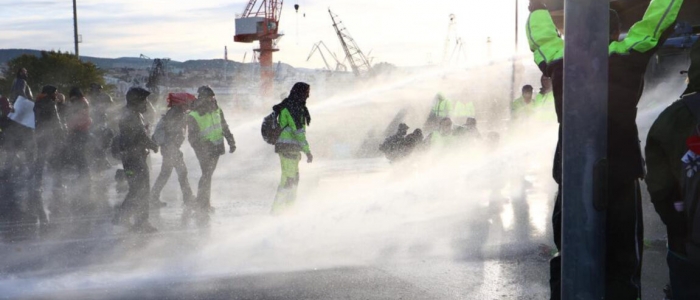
(78, 124)
(20, 87)
(134, 146)
(669, 152)
(206, 131)
(50, 135)
(293, 118)
(174, 127)
(393, 145)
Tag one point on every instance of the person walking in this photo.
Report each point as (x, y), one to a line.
(134, 144)
(173, 126)
(206, 131)
(627, 63)
(293, 118)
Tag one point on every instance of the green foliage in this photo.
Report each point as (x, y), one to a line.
(62, 70)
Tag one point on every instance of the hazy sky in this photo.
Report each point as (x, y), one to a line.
(394, 30)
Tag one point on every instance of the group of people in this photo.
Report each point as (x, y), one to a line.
(70, 138)
(58, 144)
(671, 152)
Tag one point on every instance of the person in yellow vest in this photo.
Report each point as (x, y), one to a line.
(293, 118)
(207, 129)
(524, 106)
(444, 136)
(462, 111)
(441, 109)
(545, 97)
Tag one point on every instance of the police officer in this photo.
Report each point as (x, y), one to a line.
(207, 129)
(627, 63)
(134, 143)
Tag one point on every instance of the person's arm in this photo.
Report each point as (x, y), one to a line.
(227, 133)
(543, 37)
(192, 131)
(652, 31)
(660, 180)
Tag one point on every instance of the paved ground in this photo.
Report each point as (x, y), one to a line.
(362, 229)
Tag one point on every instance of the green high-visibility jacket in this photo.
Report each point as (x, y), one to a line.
(463, 110)
(548, 46)
(627, 65)
(209, 126)
(293, 137)
(442, 108)
(520, 109)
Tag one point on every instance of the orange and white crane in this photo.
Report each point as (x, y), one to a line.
(260, 22)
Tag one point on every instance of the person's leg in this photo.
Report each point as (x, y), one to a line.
(286, 191)
(143, 191)
(166, 170)
(555, 262)
(624, 241)
(205, 183)
(128, 206)
(181, 169)
(684, 278)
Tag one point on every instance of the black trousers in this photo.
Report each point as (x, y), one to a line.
(207, 162)
(173, 159)
(136, 201)
(624, 243)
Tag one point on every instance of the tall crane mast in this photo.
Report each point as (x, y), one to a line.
(260, 22)
(358, 61)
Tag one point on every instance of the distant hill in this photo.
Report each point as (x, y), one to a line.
(135, 62)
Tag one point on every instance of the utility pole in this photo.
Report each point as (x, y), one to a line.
(515, 55)
(585, 148)
(75, 28)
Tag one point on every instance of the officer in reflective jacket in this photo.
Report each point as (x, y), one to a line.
(207, 129)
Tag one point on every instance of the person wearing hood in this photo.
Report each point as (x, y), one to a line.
(206, 131)
(665, 151)
(20, 87)
(102, 111)
(627, 63)
(78, 124)
(392, 145)
(293, 118)
(174, 127)
(134, 144)
(49, 134)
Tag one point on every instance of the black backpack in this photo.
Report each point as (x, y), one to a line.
(690, 186)
(270, 129)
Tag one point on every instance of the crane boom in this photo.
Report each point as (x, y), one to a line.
(358, 61)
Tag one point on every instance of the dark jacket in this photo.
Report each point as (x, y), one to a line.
(20, 87)
(201, 145)
(133, 136)
(48, 124)
(175, 125)
(666, 146)
(627, 64)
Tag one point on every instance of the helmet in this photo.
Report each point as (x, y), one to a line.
(136, 94)
(205, 91)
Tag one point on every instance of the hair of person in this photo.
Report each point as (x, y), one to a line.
(75, 92)
(527, 88)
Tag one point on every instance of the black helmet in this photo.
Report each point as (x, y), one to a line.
(136, 94)
(205, 91)
(49, 89)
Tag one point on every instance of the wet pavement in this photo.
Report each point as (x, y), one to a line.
(362, 229)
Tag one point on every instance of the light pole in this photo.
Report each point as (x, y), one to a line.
(584, 139)
(75, 28)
